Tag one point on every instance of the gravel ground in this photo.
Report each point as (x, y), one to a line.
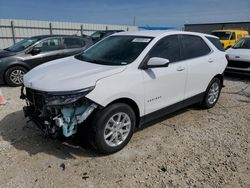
(192, 148)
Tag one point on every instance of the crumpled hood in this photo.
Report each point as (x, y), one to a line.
(4, 53)
(68, 74)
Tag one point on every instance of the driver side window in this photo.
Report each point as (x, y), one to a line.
(49, 45)
(167, 48)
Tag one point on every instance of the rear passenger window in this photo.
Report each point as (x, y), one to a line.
(194, 46)
(73, 43)
(216, 43)
(167, 48)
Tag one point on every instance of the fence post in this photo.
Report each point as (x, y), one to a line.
(50, 28)
(81, 30)
(13, 31)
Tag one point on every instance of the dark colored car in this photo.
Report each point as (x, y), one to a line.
(18, 59)
(98, 35)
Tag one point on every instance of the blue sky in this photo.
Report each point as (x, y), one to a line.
(153, 13)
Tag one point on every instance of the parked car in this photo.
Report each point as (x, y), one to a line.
(122, 82)
(230, 36)
(239, 57)
(16, 60)
(99, 35)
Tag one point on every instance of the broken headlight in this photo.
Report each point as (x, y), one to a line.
(64, 98)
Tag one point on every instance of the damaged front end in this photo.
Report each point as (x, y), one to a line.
(58, 113)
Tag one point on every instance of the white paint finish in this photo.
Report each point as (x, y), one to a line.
(239, 54)
(67, 74)
(127, 84)
(164, 86)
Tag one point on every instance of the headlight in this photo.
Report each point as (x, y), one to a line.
(63, 98)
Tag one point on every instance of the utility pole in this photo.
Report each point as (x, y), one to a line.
(134, 21)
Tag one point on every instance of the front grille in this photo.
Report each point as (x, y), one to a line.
(36, 98)
(238, 64)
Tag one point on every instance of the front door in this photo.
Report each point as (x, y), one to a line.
(166, 85)
(51, 49)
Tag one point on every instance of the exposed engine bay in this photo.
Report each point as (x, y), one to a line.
(57, 113)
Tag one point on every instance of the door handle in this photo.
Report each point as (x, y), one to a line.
(210, 61)
(180, 68)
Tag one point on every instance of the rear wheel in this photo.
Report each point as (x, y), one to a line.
(113, 127)
(14, 76)
(212, 93)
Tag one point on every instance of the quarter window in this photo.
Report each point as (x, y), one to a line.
(167, 48)
(216, 43)
(73, 43)
(49, 45)
(194, 46)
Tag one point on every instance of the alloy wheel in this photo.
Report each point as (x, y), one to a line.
(117, 129)
(213, 93)
(16, 76)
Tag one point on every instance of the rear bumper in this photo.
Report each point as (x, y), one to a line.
(235, 70)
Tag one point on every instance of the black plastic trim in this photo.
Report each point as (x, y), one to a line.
(172, 108)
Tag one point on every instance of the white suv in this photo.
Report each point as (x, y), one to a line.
(122, 82)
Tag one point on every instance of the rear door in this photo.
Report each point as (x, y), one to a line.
(200, 64)
(73, 45)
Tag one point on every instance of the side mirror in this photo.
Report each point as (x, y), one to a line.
(35, 51)
(156, 62)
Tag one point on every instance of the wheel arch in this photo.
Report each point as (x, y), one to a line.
(16, 64)
(220, 77)
(132, 104)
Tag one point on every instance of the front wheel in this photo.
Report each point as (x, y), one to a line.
(113, 127)
(212, 93)
(14, 76)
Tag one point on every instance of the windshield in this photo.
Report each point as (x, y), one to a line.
(116, 50)
(22, 45)
(222, 35)
(243, 43)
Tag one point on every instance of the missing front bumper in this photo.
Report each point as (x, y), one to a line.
(56, 120)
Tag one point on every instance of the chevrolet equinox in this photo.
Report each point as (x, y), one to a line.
(122, 82)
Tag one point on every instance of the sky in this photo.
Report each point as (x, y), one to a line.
(172, 13)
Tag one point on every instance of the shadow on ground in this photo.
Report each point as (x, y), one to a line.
(29, 138)
(237, 77)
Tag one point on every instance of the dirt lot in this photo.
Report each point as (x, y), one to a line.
(193, 148)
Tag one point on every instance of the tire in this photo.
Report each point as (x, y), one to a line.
(212, 93)
(104, 124)
(14, 76)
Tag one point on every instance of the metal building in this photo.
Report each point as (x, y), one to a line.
(208, 27)
(12, 31)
